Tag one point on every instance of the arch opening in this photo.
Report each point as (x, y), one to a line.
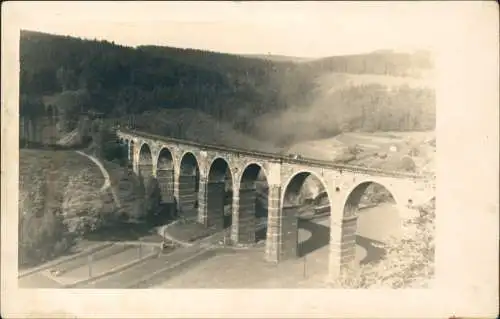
(220, 195)
(151, 188)
(253, 205)
(165, 177)
(145, 162)
(370, 219)
(188, 184)
(306, 218)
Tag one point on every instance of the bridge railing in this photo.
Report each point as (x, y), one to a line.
(280, 157)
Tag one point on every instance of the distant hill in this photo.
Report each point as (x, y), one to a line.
(264, 102)
(278, 58)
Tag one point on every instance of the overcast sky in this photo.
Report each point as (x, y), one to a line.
(303, 29)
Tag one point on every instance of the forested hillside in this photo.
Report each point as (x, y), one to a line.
(253, 97)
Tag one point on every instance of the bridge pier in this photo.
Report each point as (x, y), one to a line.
(202, 201)
(166, 182)
(273, 224)
(235, 227)
(186, 186)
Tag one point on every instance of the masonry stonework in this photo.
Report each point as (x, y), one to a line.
(166, 183)
(281, 242)
(273, 224)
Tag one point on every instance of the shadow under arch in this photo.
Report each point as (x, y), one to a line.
(369, 209)
(303, 231)
(145, 161)
(219, 194)
(188, 186)
(165, 175)
(253, 204)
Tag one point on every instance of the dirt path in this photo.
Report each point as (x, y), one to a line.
(107, 180)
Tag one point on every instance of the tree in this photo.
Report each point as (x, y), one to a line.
(408, 164)
(131, 194)
(66, 78)
(82, 206)
(43, 238)
(70, 105)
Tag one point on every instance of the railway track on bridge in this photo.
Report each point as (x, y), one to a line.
(276, 157)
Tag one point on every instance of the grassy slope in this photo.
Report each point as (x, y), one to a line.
(56, 168)
(36, 165)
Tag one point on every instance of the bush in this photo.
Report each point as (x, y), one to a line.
(43, 238)
(82, 206)
(407, 164)
(354, 149)
(115, 152)
(409, 262)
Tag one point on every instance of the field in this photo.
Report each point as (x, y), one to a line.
(375, 148)
(336, 81)
(57, 167)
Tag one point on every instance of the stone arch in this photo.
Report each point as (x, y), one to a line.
(145, 161)
(252, 204)
(359, 210)
(219, 194)
(303, 229)
(298, 179)
(188, 184)
(165, 175)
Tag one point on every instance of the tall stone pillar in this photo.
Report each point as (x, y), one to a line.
(246, 220)
(166, 182)
(273, 223)
(202, 200)
(348, 241)
(186, 186)
(131, 152)
(289, 233)
(216, 191)
(235, 226)
(343, 226)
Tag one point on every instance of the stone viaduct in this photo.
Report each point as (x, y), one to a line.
(196, 176)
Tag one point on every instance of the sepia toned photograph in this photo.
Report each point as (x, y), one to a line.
(226, 154)
(158, 166)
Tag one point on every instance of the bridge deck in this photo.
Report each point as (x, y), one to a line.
(279, 157)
